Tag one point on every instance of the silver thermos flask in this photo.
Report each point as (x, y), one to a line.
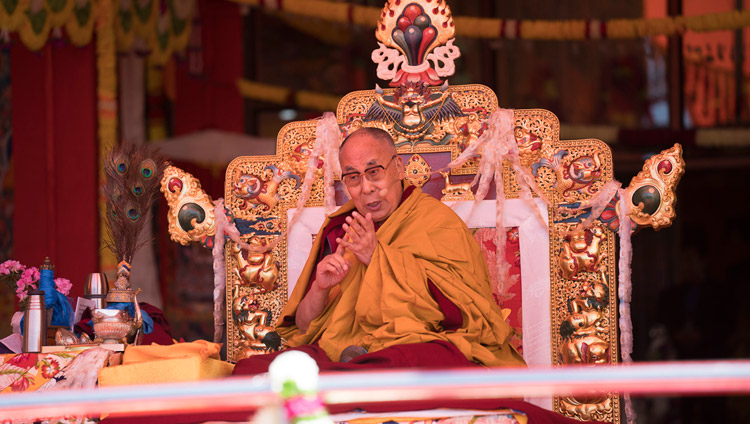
(35, 322)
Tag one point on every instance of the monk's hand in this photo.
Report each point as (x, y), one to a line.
(360, 237)
(331, 270)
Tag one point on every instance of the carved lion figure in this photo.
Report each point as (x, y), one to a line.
(581, 252)
(256, 269)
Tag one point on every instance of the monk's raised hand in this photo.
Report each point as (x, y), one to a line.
(331, 270)
(360, 237)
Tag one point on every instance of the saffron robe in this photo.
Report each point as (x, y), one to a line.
(388, 303)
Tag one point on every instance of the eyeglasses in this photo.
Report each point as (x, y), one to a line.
(373, 173)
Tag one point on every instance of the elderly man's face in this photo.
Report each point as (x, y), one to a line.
(373, 189)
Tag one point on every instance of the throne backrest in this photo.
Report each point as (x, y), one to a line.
(537, 305)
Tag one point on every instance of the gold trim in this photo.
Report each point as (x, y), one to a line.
(572, 274)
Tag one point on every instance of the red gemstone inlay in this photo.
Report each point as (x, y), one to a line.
(607, 214)
(412, 11)
(175, 184)
(403, 23)
(665, 166)
(390, 12)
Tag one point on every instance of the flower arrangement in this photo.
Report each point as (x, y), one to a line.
(22, 279)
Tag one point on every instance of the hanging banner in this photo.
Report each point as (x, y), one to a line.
(158, 27)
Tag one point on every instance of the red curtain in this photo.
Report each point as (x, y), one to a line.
(211, 99)
(55, 154)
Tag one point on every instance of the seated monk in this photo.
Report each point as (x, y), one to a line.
(394, 273)
(394, 279)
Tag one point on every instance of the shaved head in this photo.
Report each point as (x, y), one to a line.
(376, 135)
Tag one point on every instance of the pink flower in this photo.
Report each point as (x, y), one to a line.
(10, 266)
(31, 274)
(304, 406)
(63, 285)
(21, 293)
(29, 278)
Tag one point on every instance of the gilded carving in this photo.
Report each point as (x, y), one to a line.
(417, 170)
(536, 132)
(584, 342)
(464, 130)
(529, 145)
(585, 320)
(253, 189)
(291, 136)
(583, 302)
(259, 278)
(581, 252)
(455, 191)
(258, 270)
(444, 116)
(299, 156)
(411, 111)
(256, 336)
(191, 210)
(652, 192)
(573, 174)
(588, 408)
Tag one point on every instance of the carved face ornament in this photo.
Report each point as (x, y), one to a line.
(578, 242)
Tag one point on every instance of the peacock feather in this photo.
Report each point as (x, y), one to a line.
(133, 175)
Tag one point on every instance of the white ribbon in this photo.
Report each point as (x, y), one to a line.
(625, 290)
(496, 145)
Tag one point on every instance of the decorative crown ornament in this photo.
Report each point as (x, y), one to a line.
(416, 43)
(415, 51)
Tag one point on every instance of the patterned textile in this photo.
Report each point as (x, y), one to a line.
(26, 372)
(435, 416)
(507, 294)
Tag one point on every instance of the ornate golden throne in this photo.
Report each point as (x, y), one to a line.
(556, 278)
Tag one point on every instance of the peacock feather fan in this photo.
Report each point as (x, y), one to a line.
(133, 175)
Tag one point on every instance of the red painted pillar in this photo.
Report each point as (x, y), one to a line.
(55, 155)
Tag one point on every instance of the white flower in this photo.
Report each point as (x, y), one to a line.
(294, 366)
